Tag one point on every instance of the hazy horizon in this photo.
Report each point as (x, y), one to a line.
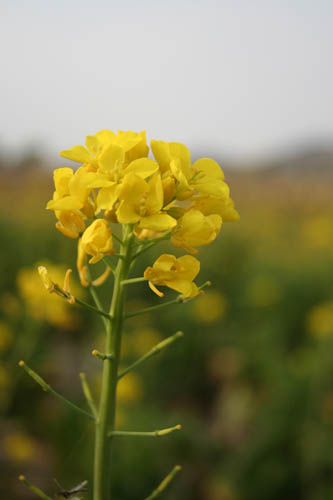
(242, 80)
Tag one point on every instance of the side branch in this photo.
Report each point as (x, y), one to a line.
(34, 488)
(155, 350)
(47, 388)
(93, 308)
(166, 481)
(133, 280)
(88, 395)
(181, 299)
(178, 300)
(151, 244)
(159, 433)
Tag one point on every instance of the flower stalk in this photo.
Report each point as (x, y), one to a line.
(107, 408)
(168, 198)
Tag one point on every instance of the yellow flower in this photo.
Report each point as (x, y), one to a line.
(141, 202)
(174, 273)
(107, 151)
(97, 240)
(204, 176)
(70, 224)
(195, 229)
(51, 287)
(210, 205)
(46, 306)
(165, 152)
(73, 189)
(45, 277)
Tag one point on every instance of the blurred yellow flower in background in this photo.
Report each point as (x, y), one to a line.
(6, 379)
(130, 389)
(19, 447)
(317, 231)
(319, 320)
(263, 291)
(211, 307)
(6, 336)
(9, 304)
(141, 340)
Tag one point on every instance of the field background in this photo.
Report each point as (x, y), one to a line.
(251, 381)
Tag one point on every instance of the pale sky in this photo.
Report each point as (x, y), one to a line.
(240, 77)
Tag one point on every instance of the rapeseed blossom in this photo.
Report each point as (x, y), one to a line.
(177, 274)
(168, 196)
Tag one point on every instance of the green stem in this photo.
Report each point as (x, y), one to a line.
(155, 350)
(107, 406)
(47, 388)
(133, 280)
(161, 432)
(151, 244)
(93, 308)
(179, 300)
(34, 488)
(117, 238)
(109, 264)
(156, 493)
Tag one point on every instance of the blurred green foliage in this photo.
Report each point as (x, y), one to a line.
(251, 381)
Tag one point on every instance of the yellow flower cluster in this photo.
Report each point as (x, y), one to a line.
(117, 183)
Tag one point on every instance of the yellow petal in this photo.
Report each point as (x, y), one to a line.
(106, 137)
(164, 152)
(93, 144)
(126, 213)
(181, 152)
(111, 158)
(45, 277)
(154, 289)
(216, 188)
(107, 197)
(210, 167)
(140, 150)
(161, 152)
(158, 222)
(78, 153)
(128, 140)
(194, 229)
(70, 224)
(190, 266)
(68, 203)
(143, 167)
(154, 200)
(184, 287)
(61, 178)
(132, 188)
(212, 205)
(102, 278)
